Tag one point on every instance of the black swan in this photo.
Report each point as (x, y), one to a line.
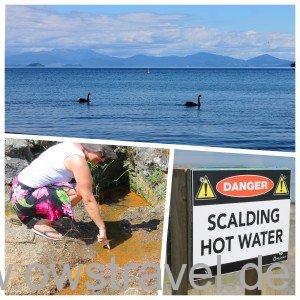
(83, 100)
(193, 103)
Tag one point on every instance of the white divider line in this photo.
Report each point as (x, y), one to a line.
(2, 120)
(151, 145)
(166, 220)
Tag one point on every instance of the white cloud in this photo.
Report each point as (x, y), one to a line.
(32, 27)
(250, 32)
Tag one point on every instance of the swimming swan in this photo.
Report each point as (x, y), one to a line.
(83, 100)
(193, 103)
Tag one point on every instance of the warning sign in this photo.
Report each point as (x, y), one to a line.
(244, 185)
(247, 216)
(205, 191)
(281, 187)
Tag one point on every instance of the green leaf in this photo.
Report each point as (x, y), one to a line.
(63, 197)
(23, 203)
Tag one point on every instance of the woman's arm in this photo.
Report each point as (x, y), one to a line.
(79, 167)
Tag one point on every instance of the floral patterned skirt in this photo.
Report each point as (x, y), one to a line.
(50, 202)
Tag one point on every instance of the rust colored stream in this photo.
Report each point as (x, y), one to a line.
(125, 247)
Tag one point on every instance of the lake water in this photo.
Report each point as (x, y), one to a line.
(240, 108)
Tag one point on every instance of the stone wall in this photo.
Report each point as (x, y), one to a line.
(148, 169)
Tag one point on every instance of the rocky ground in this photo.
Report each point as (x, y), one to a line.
(136, 237)
(23, 248)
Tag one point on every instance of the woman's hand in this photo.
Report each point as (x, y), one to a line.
(102, 238)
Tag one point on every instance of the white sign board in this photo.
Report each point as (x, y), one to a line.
(239, 215)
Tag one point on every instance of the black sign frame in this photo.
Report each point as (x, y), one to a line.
(215, 175)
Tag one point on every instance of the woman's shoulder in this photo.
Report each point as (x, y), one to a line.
(67, 147)
(75, 161)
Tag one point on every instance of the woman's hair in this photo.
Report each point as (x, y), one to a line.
(106, 150)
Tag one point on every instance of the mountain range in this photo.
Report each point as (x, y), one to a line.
(90, 58)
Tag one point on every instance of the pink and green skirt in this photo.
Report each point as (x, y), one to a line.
(49, 202)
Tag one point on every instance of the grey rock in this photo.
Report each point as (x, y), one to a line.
(145, 173)
(147, 170)
(157, 160)
(18, 149)
(13, 166)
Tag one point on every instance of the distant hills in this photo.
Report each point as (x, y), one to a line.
(35, 65)
(90, 58)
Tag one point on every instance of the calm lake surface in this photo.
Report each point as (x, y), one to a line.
(240, 108)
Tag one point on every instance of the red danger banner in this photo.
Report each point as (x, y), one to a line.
(235, 186)
(244, 185)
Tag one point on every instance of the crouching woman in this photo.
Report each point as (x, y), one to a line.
(42, 192)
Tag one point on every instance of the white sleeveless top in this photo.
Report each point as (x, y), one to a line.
(49, 167)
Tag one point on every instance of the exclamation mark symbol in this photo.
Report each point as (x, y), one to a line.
(205, 188)
(281, 182)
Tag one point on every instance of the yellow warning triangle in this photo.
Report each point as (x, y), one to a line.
(281, 187)
(206, 191)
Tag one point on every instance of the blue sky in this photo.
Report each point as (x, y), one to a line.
(240, 31)
(263, 18)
